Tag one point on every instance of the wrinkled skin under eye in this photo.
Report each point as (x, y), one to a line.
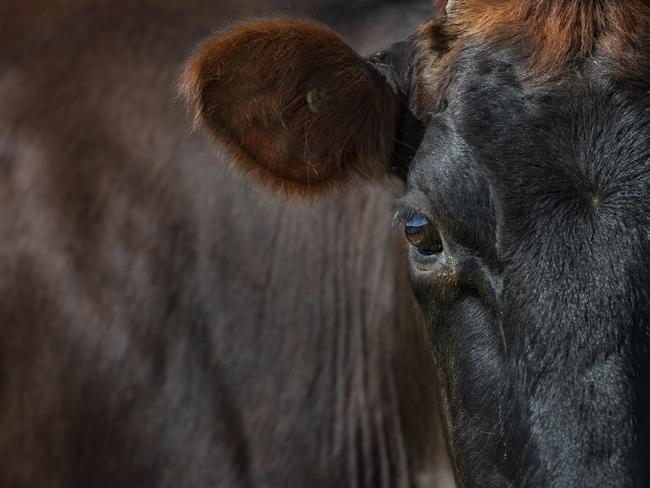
(423, 235)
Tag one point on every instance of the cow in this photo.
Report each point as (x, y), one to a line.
(163, 323)
(522, 130)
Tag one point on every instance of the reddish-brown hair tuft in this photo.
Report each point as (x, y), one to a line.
(553, 35)
(559, 32)
(294, 104)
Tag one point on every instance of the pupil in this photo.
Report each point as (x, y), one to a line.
(422, 234)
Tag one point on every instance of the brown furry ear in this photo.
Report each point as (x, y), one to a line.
(294, 104)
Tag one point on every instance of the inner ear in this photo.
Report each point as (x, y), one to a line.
(293, 103)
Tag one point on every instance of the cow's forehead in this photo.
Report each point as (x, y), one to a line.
(579, 149)
(574, 144)
(536, 84)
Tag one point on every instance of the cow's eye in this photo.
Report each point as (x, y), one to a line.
(422, 234)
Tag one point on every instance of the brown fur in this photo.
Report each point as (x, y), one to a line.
(562, 32)
(161, 324)
(553, 36)
(249, 87)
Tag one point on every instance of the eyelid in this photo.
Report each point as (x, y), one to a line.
(417, 203)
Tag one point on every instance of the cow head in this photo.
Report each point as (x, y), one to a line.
(522, 129)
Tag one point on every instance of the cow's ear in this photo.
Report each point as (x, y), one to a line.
(294, 104)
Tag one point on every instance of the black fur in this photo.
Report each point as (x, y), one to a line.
(539, 307)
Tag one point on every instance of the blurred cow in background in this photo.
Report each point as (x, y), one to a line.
(162, 323)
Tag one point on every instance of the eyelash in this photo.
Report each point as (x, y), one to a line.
(404, 214)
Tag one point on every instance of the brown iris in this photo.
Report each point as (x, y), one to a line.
(422, 234)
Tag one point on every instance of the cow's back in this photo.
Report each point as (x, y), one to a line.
(163, 324)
